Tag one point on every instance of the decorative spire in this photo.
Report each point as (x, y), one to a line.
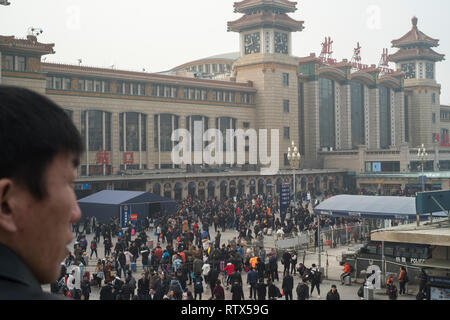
(414, 21)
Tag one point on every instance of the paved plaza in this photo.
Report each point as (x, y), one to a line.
(331, 274)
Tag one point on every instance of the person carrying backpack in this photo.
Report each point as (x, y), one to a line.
(198, 286)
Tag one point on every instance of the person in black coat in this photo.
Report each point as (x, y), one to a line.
(106, 292)
(302, 291)
(274, 291)
(261, 289)
(213, 276)
(236, 291)
(161, 286)
(143, 287)
(286, 260)
(333, 294)
(288, 285)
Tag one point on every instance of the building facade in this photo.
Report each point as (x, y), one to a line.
(344, 119)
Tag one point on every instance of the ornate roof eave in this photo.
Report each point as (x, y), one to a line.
(245, 5)
(30, 44)
(332, 73)
(265, 19)
(389, 81)
(416, 53)
(141, 76)
(362, 77)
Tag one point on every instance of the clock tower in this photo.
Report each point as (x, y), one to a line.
(417, 60)
(266, 60)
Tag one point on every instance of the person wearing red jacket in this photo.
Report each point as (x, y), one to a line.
(229, 269)
(347, 272)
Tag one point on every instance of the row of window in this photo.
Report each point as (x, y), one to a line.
(138, 89)
(14, 63)
(210, 68)
(96, 129)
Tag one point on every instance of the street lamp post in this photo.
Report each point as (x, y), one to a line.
(422, 154)
(293, 157)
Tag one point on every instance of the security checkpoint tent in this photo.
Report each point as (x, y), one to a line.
(372, 207)
(107, 203)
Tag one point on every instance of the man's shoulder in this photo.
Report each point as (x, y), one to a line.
(12, 290)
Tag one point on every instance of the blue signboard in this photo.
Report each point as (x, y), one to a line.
(285, 197)
(376, 166)
(125, 215)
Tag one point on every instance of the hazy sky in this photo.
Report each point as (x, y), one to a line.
(159, 35)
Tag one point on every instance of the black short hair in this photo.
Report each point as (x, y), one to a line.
(33, 130)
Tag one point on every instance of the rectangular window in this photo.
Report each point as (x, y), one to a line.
(9, 63)
(81, 85)
(433, 98)
(89, 85)
(58, 82)
(67, 84)
(134, 89)
(106, 86)
(119, 87)
(127, 88)
(20, 63)
(285, 79)
(286, 134)
(49, 83)
(97, 86)
(433, 117)
(208, 68)
(214, 67)
(286, 161)
(246, 125)
(286, 106)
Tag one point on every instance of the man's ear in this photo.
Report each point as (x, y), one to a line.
(7, 222)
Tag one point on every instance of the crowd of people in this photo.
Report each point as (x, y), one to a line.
(187, 262)
(184, 261)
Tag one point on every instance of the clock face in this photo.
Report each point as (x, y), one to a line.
(281, 42)
(409, 69)
(252, 43)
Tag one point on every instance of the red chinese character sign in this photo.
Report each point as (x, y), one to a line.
(128, 158)
(356, 59)
(384, 63)
(103, 157)
(327, 52)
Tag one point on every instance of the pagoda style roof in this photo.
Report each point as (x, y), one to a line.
(415, 37)
(265, 19)
(416, 53)
(247, 6)
(29, 44)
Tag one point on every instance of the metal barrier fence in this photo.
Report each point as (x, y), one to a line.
(330, 236)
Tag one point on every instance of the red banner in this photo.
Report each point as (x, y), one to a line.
(128, 158)
(103, 157)
(133, 217)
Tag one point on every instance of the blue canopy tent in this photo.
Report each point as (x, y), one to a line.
(372, 207)
(109, 203)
